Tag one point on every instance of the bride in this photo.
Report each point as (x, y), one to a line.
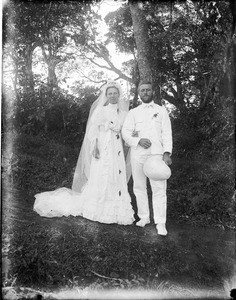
(99, 191)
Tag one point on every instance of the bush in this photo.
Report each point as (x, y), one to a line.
(201, 188)
(201, 191)
(42, 164)
(45, 111)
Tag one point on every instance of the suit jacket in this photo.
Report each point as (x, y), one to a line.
(148, 121)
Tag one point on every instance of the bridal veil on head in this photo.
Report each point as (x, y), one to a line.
(82, 169)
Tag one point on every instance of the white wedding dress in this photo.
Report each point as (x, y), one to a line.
(104, 197)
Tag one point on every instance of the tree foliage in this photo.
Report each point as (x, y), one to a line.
(187, 46)
(45, 25)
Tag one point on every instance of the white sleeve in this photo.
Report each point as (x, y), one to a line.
(166, 132)
(128, 129)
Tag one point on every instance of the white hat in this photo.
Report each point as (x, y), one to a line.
(156, 169)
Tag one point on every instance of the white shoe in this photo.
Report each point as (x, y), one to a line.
(161, 229)
(142, 222)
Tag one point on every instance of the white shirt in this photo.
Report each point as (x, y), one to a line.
(151, 121)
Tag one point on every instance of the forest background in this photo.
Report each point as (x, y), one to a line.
(56, 56)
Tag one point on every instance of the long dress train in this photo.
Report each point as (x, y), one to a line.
(104, 198)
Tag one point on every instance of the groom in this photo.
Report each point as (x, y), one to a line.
(147, 130)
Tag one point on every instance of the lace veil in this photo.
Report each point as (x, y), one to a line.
(82, 169)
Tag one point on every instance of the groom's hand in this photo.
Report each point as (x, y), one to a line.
(167, 159)
(145, 143)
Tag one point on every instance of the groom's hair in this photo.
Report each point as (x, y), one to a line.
(144, 82)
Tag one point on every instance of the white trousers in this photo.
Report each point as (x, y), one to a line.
(159, 198)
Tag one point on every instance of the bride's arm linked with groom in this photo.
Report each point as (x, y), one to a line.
(99, 190)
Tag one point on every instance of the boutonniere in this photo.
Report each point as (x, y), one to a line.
(134, 133)
(155, 115)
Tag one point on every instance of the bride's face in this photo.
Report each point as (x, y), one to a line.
(112, 95)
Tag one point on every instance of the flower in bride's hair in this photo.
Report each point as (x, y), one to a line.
(112, 83)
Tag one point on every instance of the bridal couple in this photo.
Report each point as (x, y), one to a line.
(99, 191)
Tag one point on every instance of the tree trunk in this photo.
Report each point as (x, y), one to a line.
(141, 37)
(52, 78)
(15, 80)
(143, 44)
(29, 79)
(51, 63)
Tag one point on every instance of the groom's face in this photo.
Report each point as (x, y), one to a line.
(145, 92)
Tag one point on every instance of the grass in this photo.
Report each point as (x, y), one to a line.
(75, 252)
(69, 252)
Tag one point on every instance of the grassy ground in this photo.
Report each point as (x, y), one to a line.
(73, 252)
(47, 254)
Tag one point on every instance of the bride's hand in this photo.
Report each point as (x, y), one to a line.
(115, 126)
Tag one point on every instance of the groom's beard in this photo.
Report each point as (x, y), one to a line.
(147, 99)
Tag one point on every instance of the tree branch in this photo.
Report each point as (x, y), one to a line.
(174, 92)
(44, 53)
(100, 81)
(179, 93)
(171, 99)
(111, 65)
(97, 64)
(101, 52)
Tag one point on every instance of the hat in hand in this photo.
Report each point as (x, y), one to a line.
(156, 169)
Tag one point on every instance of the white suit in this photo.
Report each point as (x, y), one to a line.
(149, 121)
